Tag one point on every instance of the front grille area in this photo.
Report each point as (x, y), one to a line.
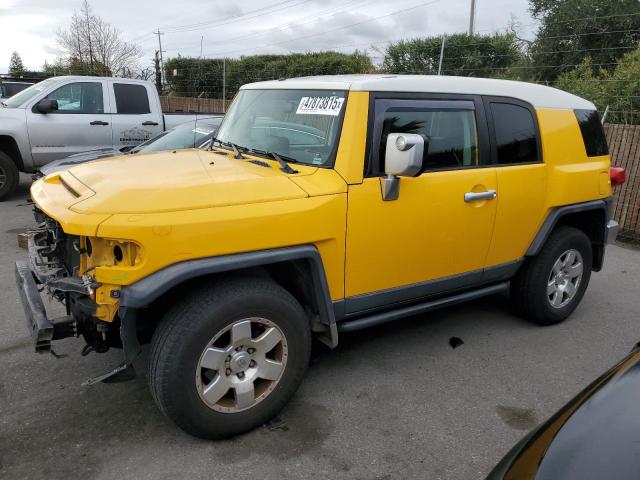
(52, 253)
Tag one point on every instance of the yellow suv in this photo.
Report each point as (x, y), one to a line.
(324, 205)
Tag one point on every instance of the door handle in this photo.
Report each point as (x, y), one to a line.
(98, 122)
(477, 196)
(149, 123)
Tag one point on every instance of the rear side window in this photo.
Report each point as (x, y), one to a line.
(593, 136)
(131, 99)
(515, 132)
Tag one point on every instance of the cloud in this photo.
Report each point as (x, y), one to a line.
(29, 26)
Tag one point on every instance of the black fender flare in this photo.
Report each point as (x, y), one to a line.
(557, 213)
(143, 292)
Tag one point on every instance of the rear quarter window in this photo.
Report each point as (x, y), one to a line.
(592, 131)
(131, 99)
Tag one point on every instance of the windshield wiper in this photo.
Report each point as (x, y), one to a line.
(236, 149)
(284, 166)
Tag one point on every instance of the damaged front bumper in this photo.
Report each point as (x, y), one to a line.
(42, 329)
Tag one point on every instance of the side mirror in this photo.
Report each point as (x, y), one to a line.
(403, 158)
(47, 105)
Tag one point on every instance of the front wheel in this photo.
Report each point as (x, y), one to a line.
(550, 286)
(228, 357)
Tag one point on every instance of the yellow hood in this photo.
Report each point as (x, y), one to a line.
(180, 180)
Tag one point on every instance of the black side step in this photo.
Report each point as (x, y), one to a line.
(369, 321)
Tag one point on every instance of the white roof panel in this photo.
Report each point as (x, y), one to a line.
(539, 96)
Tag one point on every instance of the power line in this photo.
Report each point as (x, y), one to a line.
(295, 22)
(244, 17)
(423, 4)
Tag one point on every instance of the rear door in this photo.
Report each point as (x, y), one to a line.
(133, 120)
(81, 123)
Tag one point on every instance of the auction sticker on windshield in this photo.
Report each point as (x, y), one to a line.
(320, 105)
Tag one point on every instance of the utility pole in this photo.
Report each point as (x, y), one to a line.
(224, 85)
(162, 80)
(156, 61)
(444, 39)
(472, 17)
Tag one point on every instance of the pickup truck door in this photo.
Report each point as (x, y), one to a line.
(136, 118)
(435, 236)
(81, 123)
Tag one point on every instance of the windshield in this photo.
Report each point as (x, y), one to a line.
(300, 124)
(20, 98)
(184, 136)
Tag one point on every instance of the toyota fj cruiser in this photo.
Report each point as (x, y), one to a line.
(325, 205)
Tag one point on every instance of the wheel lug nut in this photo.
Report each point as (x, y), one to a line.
(251, 350)
(228, 371)
(238, 349)
(252, 364)
(240, 374)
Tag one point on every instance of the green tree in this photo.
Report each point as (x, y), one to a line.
(618, 89)
(585, 83)
(194, 77)
(16, 67)
(571, 30)
(465, 55)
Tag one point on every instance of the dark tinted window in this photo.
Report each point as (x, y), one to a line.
(515, 133)
(450, 136)
(131, 99)
(79, 97)
(593, 136)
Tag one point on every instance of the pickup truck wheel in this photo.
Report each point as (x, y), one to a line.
(9, 176)
(229, 356)
(550, 286)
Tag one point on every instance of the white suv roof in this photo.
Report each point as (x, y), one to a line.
(539, 96)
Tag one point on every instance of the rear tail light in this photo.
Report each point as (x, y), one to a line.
(618, 175)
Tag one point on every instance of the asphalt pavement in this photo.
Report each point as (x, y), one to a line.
(396, 401)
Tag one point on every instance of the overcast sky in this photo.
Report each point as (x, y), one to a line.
(232, 29)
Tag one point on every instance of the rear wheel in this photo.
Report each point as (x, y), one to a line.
(228, 357)
(550, 286)
(9, 176)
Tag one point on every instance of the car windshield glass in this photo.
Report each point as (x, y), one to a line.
(183, 136)
(20, 98)
(300, 124)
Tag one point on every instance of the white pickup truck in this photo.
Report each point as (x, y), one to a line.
(62, 116)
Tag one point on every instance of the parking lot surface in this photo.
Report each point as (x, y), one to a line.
(395, 401)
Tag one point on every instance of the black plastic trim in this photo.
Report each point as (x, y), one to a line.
(393, 297)
(145, 291)
(360, 323)
(558, 212)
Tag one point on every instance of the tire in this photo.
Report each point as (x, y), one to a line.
(9, 176)
(540, 292)
(185, 369)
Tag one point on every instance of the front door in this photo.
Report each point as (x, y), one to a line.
(438, 228)
(79, 124)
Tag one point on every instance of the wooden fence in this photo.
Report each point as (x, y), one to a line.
(192, 104)
(624, 146)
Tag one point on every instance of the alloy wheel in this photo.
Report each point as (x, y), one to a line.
(241, 365)
(565, 278)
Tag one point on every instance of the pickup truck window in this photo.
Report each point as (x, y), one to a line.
(20, 98)
(131, 99)
(301, 124)
(448, 128)
(515, 133)
(79, 97)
